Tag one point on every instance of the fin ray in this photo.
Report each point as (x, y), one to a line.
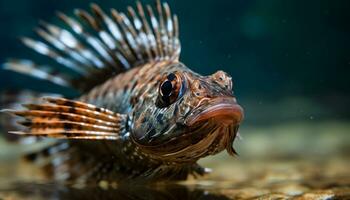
(34, 115)
(97, 45)
(9, 100)
(29, 68)
(63, 118)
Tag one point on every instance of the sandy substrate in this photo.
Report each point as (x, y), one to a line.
(287, 161)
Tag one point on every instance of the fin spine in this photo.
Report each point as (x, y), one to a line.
(63, 118)
(97, 45)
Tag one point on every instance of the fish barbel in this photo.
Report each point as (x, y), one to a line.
(142, 114)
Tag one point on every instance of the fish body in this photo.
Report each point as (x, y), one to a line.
(142, 114)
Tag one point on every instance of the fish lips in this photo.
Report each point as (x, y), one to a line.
(223, 110)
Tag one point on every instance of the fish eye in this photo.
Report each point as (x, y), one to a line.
(169, 89)
(166, 88)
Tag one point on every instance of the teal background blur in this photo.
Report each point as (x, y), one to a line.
(290, 60)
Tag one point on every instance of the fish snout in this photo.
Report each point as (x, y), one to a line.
(224, 110)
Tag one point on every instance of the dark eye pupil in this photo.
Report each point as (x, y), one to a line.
(166, 88)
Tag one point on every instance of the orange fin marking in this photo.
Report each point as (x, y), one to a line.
(63, 118)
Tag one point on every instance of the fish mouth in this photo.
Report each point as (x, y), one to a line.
(208, 129)
(223, 110)
(224, 113)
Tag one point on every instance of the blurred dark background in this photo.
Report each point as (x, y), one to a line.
(290, 60)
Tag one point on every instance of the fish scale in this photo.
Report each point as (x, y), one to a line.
(141, 115)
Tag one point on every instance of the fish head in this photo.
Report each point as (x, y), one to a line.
(191, 116)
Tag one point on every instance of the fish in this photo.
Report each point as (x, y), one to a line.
(141, 114)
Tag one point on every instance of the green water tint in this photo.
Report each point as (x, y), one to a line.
(295, 160)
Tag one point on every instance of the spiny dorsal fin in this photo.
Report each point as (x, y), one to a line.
(97, 46)
(63, 118)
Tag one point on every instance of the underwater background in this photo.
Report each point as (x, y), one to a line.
(290, 63)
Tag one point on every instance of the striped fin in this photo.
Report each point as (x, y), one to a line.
(9, 99)
(62, 118)
(27, 67)
(96, 45)
(63, 160)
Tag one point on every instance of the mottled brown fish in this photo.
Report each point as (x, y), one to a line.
(142, 115)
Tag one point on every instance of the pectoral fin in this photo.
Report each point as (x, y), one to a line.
(68, 119)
